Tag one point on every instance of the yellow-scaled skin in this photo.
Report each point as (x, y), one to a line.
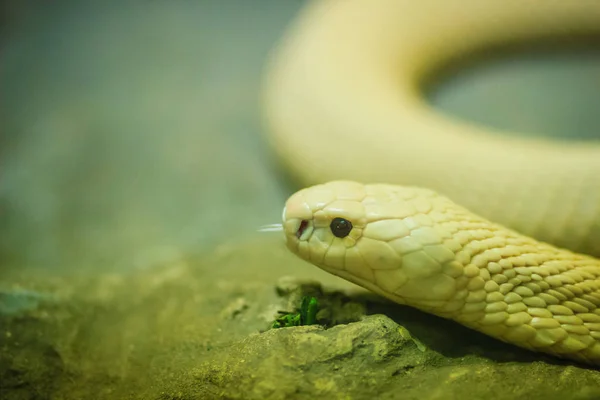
(418, 248)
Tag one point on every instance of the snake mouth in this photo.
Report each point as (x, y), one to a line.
(301, 229)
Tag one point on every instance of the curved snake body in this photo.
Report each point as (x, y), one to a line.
(343, 103)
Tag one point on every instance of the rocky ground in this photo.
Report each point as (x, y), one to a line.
(200, 329)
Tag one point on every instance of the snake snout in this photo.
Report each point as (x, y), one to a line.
(297, 218)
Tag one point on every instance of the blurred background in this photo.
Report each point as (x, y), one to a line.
(131, 131)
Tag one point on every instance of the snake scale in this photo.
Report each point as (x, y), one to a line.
(343, 104)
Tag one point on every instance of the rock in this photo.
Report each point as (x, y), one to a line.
(234, 308)
(130, 338)
(350, 359)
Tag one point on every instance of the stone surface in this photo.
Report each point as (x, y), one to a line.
(189, 330)
(344, 361)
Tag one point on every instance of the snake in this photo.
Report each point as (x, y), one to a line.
(495, 230)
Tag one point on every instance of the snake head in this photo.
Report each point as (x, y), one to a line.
(381, 237)
(322, 221)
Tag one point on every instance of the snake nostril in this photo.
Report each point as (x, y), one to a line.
(301, 228)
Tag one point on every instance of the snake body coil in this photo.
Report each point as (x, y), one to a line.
(343, 102)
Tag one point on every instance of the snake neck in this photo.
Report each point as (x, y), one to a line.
(492, 261)
(521, 291)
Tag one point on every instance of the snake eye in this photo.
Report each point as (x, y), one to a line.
(340, 227)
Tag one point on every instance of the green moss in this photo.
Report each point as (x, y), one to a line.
(305, 315)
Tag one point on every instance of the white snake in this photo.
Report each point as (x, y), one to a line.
(343, 105)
